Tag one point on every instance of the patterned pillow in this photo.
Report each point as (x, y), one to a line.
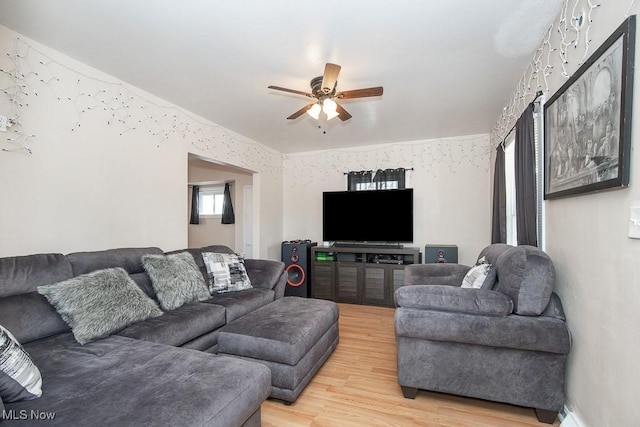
(226, 272)
(176, 279)
(98, 304)
(20, 378)
(481, 276)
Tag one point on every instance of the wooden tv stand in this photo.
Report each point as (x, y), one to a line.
(359, 275)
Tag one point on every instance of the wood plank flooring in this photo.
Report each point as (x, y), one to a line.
(358, 386)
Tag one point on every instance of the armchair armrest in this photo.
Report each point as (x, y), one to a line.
(435, 274)
(452, 299)
(264, 273)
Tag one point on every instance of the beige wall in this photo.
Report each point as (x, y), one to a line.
(109, 184)
(450, 178)
(597, 264)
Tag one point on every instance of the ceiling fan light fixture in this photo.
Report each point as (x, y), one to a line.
(330, 108)
(314, 111)
(323, 90)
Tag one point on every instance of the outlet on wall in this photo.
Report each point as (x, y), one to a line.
(4, 123)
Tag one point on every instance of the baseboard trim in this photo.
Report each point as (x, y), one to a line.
(569, 419)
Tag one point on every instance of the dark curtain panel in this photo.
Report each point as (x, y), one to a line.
(355, 178)
(499, 220)
(195, 208)
(228, 217)
(525, 170)
(384, 176)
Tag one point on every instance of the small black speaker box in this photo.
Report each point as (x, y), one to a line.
(440, 254)
(296, 256)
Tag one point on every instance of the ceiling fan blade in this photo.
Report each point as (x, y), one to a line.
(342, 113)
(300, 111)
(360, 93)
(330, 77)
(298, 92)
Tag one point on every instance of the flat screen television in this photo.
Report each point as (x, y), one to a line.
(376, 216)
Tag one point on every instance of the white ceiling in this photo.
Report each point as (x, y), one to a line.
(448, 67)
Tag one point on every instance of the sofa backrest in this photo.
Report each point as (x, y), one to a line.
(525, 274)
(23, 311)
(128, 258)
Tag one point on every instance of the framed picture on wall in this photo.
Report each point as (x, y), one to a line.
(587, 122)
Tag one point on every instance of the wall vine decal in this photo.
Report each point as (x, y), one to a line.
(121, 107)
(573, 27)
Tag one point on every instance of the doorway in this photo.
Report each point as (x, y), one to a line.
(207, 173)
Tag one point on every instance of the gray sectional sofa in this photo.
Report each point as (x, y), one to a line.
(156, 372)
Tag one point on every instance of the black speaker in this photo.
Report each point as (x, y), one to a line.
(296, 256)
(441, 254)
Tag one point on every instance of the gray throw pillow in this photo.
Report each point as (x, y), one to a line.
(226, 272)
(98, 304)
(20, 378)
(176, 279)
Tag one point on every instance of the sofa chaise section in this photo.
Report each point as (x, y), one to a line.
(126, 382)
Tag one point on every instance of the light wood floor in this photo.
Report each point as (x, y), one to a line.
(358, 386)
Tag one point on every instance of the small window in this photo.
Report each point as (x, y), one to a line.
(384, 185)
(211, 201)
(378, 185)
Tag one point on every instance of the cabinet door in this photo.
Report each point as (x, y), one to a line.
(397, 280)
(322, 280)
(348, 278)
(374, 285)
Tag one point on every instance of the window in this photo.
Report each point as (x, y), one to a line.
(211, 200)
(388, 179)
(381, 185)
(510, 181)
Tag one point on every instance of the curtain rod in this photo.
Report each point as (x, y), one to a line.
(407, 169)
(538, 95)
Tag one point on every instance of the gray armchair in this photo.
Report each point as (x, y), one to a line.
(506, 344)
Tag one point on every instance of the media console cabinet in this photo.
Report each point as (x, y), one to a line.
(359, 275)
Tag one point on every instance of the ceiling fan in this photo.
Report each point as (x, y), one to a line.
(323, 89)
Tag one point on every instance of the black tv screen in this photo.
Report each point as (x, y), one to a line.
(368, 216)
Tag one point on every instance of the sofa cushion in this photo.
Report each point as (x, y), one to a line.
(176, 279)
(526, 275)
(124, 382)
(22, 274)
(20, 378)
(178, 326)
(544, 334)
(435, 274)
(100, 303)
(30, 317)
(459, 300)
(239, 303)
(225, 272)
(264, 273)
(127, 258)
